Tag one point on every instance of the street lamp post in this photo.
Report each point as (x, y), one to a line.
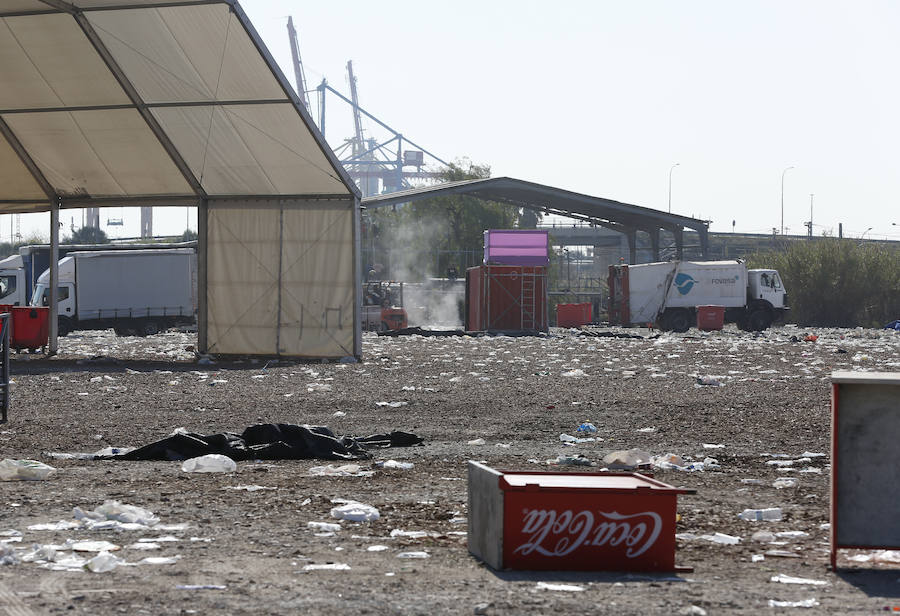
(671, 169)
(782, 198)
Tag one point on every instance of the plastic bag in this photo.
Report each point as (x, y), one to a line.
(24, 470)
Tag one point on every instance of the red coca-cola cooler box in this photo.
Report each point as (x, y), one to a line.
(572, 521)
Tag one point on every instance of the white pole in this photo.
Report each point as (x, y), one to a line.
(53, 291)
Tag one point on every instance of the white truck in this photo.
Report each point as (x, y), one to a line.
(12, 281)
(138, 292)
(667, 294)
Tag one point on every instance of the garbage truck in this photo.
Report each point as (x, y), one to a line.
(134, 292)
(666, 295)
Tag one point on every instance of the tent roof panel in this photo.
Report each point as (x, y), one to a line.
(107, 153)
(85, 86)
(16, 180)
(249, 150)
(22, 6)
(187, 54)
(48, 62)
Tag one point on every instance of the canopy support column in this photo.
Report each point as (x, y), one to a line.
(678, 232)
(202, 269)
(703, 233)
(654, 243)
(53, 291)
(631, 235)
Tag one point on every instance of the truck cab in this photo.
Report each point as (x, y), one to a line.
(12, 282)
(766, 285)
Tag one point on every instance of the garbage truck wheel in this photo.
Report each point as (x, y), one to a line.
(679, 321)
(758, 320)
(148, 328)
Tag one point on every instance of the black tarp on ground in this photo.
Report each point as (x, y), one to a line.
(269, 442)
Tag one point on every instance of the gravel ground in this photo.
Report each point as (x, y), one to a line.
(518, 394)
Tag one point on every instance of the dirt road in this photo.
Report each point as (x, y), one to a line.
(247, 536)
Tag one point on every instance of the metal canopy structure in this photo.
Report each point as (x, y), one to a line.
(623, 217)
(178, 103)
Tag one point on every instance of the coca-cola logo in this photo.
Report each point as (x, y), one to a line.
(552, 533)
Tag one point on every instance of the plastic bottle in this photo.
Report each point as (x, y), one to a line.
(210, 463)
(772, 514)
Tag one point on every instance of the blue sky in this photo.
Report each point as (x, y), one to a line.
(604, 97)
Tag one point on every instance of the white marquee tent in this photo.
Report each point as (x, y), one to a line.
(178, 103)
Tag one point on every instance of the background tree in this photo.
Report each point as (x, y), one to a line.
(87, 235)
(431, 236)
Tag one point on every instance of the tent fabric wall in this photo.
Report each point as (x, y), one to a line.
(297, 263)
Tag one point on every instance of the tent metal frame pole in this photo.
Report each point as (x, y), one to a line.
(295, 99)
(29, 163)
(53, 343)
(202, 276)
(139, 104)
(357, 279)
(278, 322)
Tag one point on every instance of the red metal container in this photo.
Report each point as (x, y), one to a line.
(573, 315)
(506, 298)
(571, 521)
(710, 318)
(30, 326)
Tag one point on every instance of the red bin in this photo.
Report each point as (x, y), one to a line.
(30, 327)
(710, 318)
(571, 521)
(573, 315)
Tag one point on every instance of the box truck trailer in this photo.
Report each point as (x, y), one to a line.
(667, 294)
(19, 273)
(131, 291)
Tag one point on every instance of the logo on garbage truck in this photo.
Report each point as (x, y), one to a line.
(684, 283)
(553, 533)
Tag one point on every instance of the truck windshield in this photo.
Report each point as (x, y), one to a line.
(7, 286)
(42, 295)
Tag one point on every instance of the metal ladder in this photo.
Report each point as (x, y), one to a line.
(527, 301)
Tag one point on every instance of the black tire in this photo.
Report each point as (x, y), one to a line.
(64, 327)
(122, 331)
(679, 320)
(759, 320)
(148, 327)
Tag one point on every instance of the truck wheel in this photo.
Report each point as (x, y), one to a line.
(148, 328)
(64, 327)
(122, 331)
(679, 321)
(759, 320)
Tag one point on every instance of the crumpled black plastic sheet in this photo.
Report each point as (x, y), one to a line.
(270, 442)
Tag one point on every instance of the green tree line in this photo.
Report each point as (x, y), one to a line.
(835, 282)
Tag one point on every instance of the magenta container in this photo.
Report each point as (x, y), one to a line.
(527, 247)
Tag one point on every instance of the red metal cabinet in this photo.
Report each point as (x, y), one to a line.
(506, 298)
